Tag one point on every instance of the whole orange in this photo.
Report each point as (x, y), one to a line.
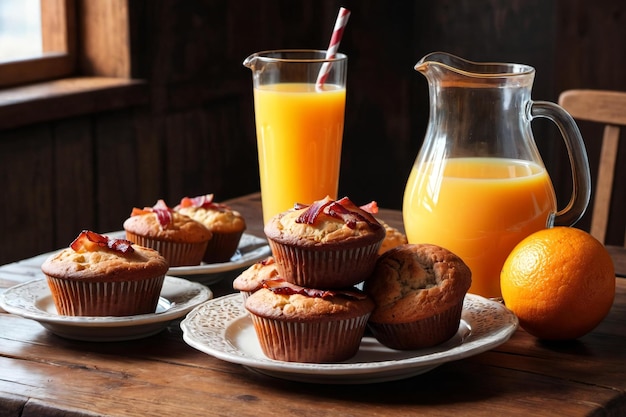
(560, 282)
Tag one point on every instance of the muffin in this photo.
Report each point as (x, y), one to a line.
(226, 225)
(102, 276)
(393, 238)
(252, 279)
(329, 244)
(419, 291)
(179, 238)
(297, 324)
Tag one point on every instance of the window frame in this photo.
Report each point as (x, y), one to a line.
(95, 82)
(58, 31)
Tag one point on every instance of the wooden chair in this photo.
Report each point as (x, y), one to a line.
(608, 108)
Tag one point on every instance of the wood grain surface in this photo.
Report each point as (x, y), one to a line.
(42, 374)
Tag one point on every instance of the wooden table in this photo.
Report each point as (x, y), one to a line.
(44, 375)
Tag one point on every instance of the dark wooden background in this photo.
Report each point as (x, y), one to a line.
(196, 134)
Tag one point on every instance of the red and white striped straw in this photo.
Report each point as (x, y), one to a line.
(340, 25)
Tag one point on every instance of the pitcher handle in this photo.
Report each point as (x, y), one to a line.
(581, 177)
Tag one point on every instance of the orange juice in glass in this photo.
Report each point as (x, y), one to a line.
(299, 137)
(299, 125)
(479, 208)
(479, 186)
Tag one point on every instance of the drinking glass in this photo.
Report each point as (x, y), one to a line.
(299, 107)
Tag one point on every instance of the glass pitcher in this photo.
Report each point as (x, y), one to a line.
(479, 185)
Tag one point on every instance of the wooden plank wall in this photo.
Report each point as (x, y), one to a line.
(591, 53)
(197, 133)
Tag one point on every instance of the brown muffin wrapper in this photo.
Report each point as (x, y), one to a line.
(222, 247)
(177, 253)
(122, 298)
(419, 334)
(245, 295)
(315, 268)
(313, 342)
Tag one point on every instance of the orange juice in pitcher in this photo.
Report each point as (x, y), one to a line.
(487, 206)
(478, 185)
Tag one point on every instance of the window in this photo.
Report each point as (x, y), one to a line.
(42, 52)
(65, 81)
(20, 29)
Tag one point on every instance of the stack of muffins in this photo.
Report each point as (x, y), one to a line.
(305, 306)
(310, 310)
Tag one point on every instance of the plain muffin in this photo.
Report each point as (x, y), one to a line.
(419, 291)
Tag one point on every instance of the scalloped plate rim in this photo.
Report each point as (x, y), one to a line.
(381, 370)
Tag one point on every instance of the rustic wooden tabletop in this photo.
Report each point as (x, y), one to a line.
(44, 374)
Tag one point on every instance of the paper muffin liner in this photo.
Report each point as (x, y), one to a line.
(419, 334)
(222, 247)
(114, 298)
(312, 342)
(176, 253)
(326, 268)
(245, 295)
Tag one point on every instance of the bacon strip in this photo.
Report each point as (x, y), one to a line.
(121, 245)
(202, 201)
(138, 212)
(366, 214)
(371, 207)
(160, 209)
(343, 209)
(164, 216)
(86, 237)
(199, 201)
(313, 211)
(280, 286)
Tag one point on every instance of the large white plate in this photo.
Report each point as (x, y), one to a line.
(251, 249)
(222, 328)
(33, 300)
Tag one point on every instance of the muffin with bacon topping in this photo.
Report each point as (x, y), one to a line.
(298, 324)
(226, 225)
(393, 238)
(329, 244)
(102, 276)
(179, 238)
(252, 278)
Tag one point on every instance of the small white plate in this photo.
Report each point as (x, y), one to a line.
(222, 328)
(251, 249)
(33, 300)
